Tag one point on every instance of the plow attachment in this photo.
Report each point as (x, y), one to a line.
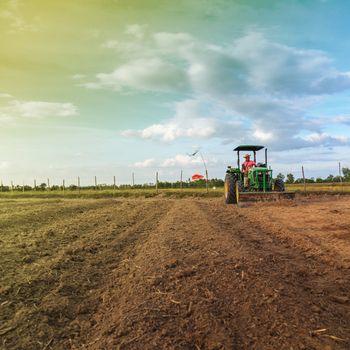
(264, 196)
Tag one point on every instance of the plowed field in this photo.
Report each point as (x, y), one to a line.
(174, 274)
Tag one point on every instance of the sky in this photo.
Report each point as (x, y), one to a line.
(110, 87)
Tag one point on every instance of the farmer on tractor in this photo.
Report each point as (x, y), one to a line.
(246, 166)
(252, 179)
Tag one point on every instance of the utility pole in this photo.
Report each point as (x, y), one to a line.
(206, 171)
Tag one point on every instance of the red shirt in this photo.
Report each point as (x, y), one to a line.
(247, 165)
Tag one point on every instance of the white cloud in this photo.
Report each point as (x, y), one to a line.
(279, 69)
(340, 119)
(263, 136)
(4, 164)
(39, 109)
(136, 31)
(324, 138)
(4, 95)
(36, 109)
(5, 119)
(172, 130)
(173, 42)
(17, 22)
(181, 160)
(265, 86)
(143, 74)
(78, 76)
(110, 44)
(145, 164)
(250, 64)
(192, 119)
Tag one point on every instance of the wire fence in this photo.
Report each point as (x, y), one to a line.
(295, 179)
(77, 184)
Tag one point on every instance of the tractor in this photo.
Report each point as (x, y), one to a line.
(259, 184)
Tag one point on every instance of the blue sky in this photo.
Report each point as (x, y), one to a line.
(113, 87)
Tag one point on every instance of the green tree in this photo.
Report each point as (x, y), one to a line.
(346, 173)
(330, 178)
(290, 178)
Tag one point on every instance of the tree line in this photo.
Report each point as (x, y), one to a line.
(290, 179)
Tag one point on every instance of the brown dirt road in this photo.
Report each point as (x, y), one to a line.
(174, 274)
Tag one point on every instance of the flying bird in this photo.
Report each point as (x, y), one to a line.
(193, 154)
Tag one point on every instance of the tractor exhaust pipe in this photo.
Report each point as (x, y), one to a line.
(266, 157)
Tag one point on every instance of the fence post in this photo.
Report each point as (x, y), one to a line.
(341, 179)
(48, 184)
(157, 182)
(78, 184)
(206, 180)
(34, 184)
(181, 186)
(302, 170)
(114, 186)
(95, 183)
(63, 186)
(11, 186)
(23, 186)
(133, 180)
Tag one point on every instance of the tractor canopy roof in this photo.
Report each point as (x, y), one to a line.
(248, 148)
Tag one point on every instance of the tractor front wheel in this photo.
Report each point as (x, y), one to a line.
(279, 185)
(232, 187)
(240, 186)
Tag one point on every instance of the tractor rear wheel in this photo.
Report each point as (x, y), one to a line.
(279, 185)
(231, 189)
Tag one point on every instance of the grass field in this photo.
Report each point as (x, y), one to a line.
(147, 193)
(320, 187)
(178, 193)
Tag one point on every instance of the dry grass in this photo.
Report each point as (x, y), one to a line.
(320, 187)
(129, 193)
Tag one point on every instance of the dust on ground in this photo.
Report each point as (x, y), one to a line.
(174, 274)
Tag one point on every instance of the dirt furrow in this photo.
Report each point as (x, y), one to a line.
(177, 290)
(40, 212)
(177, 274)
(318, 227)
(293, 292)
(57, 307)
(202, 281)
(36, 241)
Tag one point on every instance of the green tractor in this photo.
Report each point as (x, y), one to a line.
(257, 183)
